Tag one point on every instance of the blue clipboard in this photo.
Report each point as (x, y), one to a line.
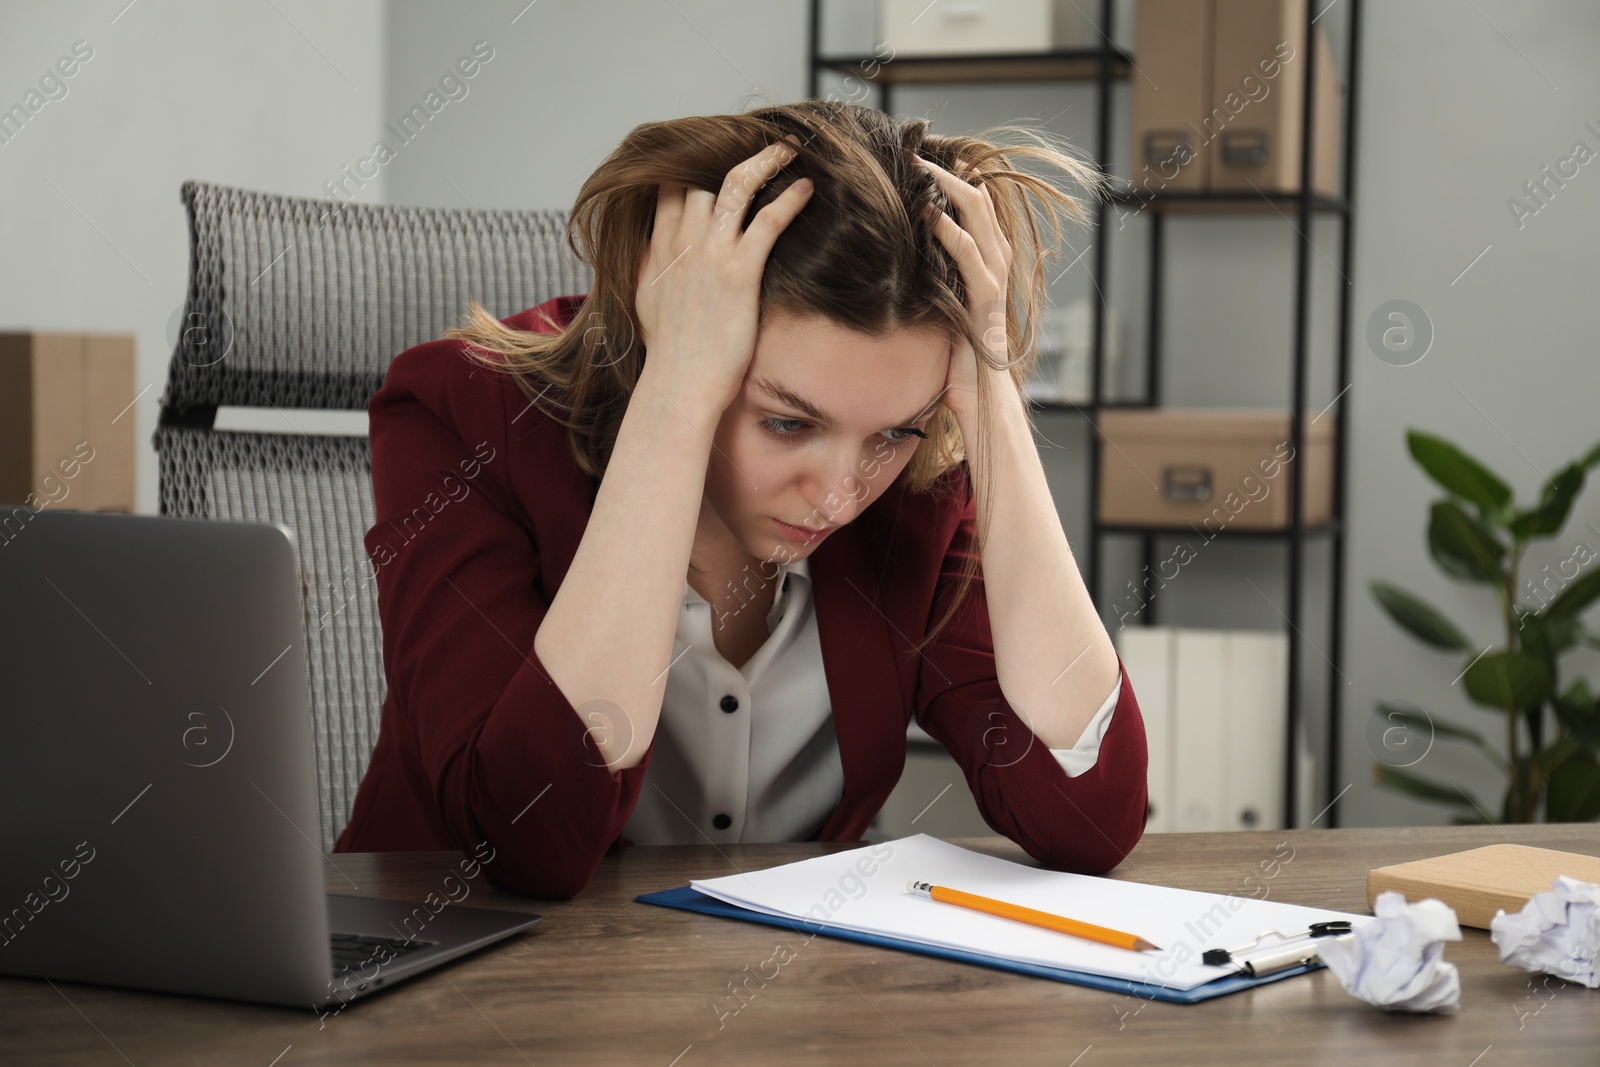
(689, 899)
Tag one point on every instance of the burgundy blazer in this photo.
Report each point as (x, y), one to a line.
(480, 508)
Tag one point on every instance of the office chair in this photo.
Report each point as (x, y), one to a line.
(297, 303)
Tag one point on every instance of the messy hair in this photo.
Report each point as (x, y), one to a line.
(858, 254)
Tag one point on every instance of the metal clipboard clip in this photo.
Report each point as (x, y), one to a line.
(1283, 956)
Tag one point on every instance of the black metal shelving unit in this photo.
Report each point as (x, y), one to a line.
(1105, 65)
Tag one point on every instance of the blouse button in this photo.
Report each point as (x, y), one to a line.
(722, 822)
(730, 703)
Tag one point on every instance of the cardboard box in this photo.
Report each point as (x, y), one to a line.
(1172, 46)
(983, 27)
(1218, 98)
(1210, 469)
(1258, 140)
(66, 424)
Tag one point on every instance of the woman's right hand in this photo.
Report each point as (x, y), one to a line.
(699, 285)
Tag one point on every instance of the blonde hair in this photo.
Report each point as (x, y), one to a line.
(858, 254)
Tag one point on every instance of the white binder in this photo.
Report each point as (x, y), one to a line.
(1146, 653)
(1213, 703)
(1200, 705)
(1257, 672)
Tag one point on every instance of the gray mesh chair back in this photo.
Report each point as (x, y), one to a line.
(298, 303)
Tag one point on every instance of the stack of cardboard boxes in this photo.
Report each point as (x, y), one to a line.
(1218, 98)
(66, 425)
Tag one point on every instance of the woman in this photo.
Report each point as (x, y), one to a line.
(702, 541)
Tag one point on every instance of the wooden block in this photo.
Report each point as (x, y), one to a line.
(1481, 881)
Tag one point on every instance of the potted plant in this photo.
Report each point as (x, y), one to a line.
(1477, 534)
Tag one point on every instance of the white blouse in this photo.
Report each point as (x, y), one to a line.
(748, 754)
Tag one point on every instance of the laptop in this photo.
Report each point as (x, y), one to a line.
(158, 779)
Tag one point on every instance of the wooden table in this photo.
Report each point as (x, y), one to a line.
(606, 980)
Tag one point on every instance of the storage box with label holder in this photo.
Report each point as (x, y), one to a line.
(1211, 469)
(1172, 45)
(1258, 140)
(984, 27)
(1220, 105)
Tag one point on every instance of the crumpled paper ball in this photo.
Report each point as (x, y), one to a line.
(1397, 960)
(1557, 931)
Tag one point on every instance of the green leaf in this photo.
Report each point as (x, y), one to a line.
(1425, 623)
(1575, 597)
(1555, 502)
(1421, 788)
(1523, 790)
(1591, 459)
(1552, 757)
(1574, 790)
(1579, 711)
(1510, 681)
(1578, 692)
(1547, 637)
(1459, 472)
(1426, 726)
(1463, 546)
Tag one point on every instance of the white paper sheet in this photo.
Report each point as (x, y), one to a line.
(864, 890)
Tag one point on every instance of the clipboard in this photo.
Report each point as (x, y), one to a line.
(689, 899)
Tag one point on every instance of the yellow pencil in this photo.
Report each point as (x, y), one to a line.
(1059, 923)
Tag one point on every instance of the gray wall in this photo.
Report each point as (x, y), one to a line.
(1461, 109)
(92, 234)
(569, 80)
(1461, 104)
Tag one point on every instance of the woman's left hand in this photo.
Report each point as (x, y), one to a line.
(983, 255)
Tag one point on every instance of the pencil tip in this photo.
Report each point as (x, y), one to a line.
(1141, 944)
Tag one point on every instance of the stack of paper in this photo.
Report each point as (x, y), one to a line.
(865, 890)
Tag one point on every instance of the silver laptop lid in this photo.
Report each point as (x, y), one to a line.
(156, 764)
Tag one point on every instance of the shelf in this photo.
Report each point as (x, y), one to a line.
(1073, 64)
(1040, 393)
(1251, 202)
(1043, 395)
(1104, 69)
(1326, 529)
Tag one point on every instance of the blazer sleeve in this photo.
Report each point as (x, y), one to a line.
(507, 758)
(1086, 823)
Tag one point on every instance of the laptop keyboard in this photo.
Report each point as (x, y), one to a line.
(355, 951)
